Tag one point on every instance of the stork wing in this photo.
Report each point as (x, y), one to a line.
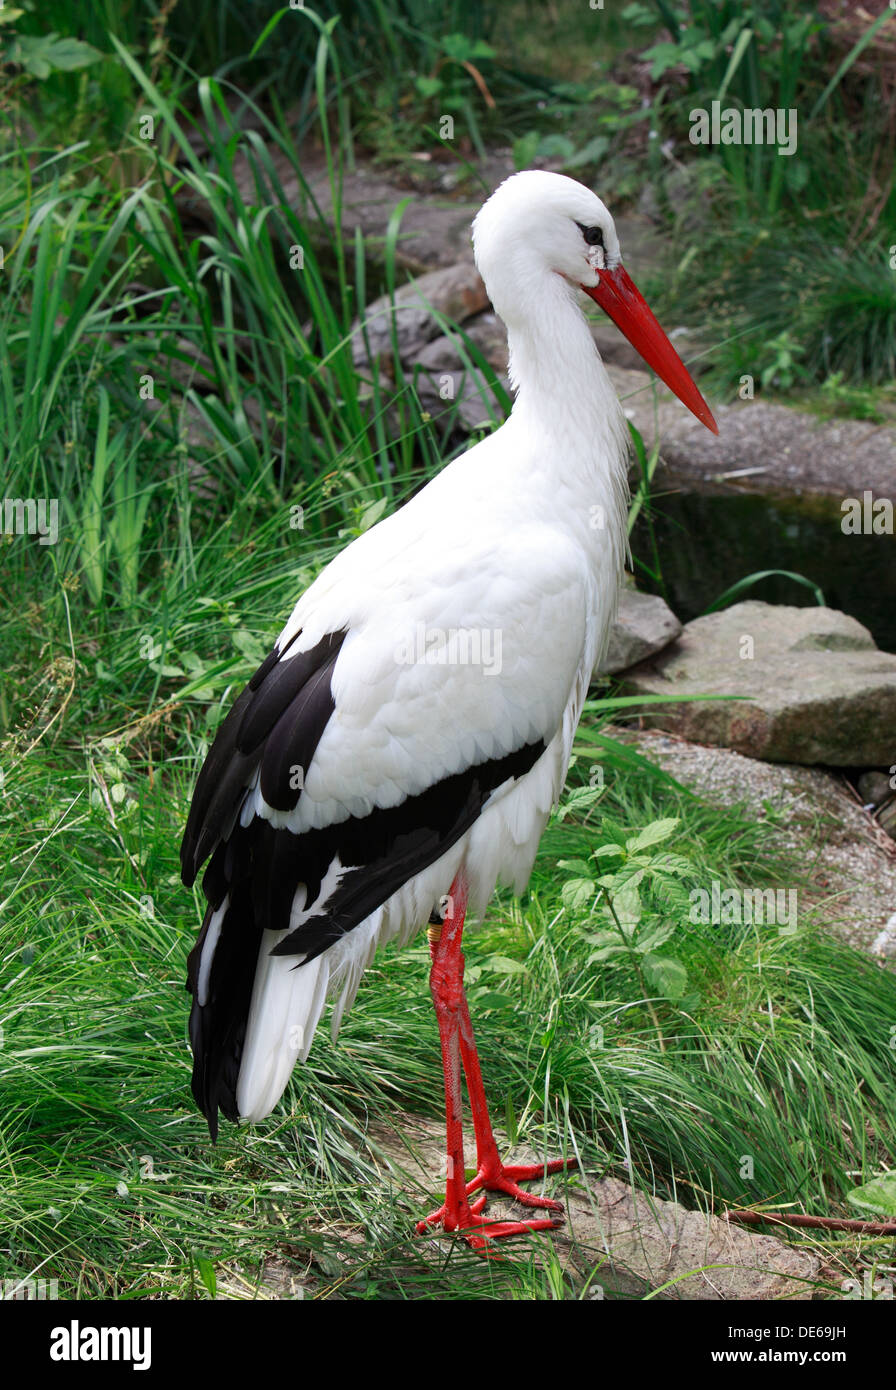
(358, 755)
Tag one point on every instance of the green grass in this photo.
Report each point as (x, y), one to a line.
(780, 1052)
(791, 304)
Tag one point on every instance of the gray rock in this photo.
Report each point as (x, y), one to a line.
(644, 246)
(885, 944)
(435, 224)
(455, 291)
(644, 625)
(486, 332)
(477, 406)
(435, 229)
(813, 686)
(874, 788)
(886, 818)
(779, 449)
(444, 376)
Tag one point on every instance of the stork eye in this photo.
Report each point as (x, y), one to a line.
(594, 236)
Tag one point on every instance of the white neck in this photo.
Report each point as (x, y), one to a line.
(566, 405)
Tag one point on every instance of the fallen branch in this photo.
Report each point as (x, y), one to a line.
(825, 1223)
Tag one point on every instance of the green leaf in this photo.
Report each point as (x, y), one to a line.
(206, 1272)
(850, 58)
(796, 175)
(371, 515)
(606, 953)
(525, 149)
(878, 1195)
(664, 56)
(577, 893)
(248, 645)
(675, 864)
(42, 54)
(492, 999)
(462, 48)
(576, 866)
(666, 975)
(637, 13)
(737, 54)
(652, 834)
(557, 147)
(627, 907)
(603, 850)
(653, 937)
(578, 800)
(510, 1123)
(505, 966)
(742, 585)
(602, 938)
(591, 153)
(428, 86)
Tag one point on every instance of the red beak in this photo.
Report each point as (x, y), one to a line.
(620, 298)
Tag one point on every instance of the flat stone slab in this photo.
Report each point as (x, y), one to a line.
(814, 688)
(615, 1237)
(760, 445)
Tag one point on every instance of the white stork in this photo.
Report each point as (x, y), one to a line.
(404, 742)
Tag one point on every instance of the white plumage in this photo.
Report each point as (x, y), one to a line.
(472, 620)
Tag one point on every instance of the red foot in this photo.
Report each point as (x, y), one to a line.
(464, 1216)
(509, 1176)
(477, 1230)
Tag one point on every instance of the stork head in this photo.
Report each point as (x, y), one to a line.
(538, 224)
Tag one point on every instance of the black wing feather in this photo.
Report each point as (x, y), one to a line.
(293, 739)
(280, 687)
(238, 748)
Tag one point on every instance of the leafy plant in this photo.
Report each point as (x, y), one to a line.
(766, 54)
(634, 932)
(444, 83)
(39, 55)
(782, 369)
(746, 583)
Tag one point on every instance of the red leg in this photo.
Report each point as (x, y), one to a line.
(456, 1037)
(493, 1175)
